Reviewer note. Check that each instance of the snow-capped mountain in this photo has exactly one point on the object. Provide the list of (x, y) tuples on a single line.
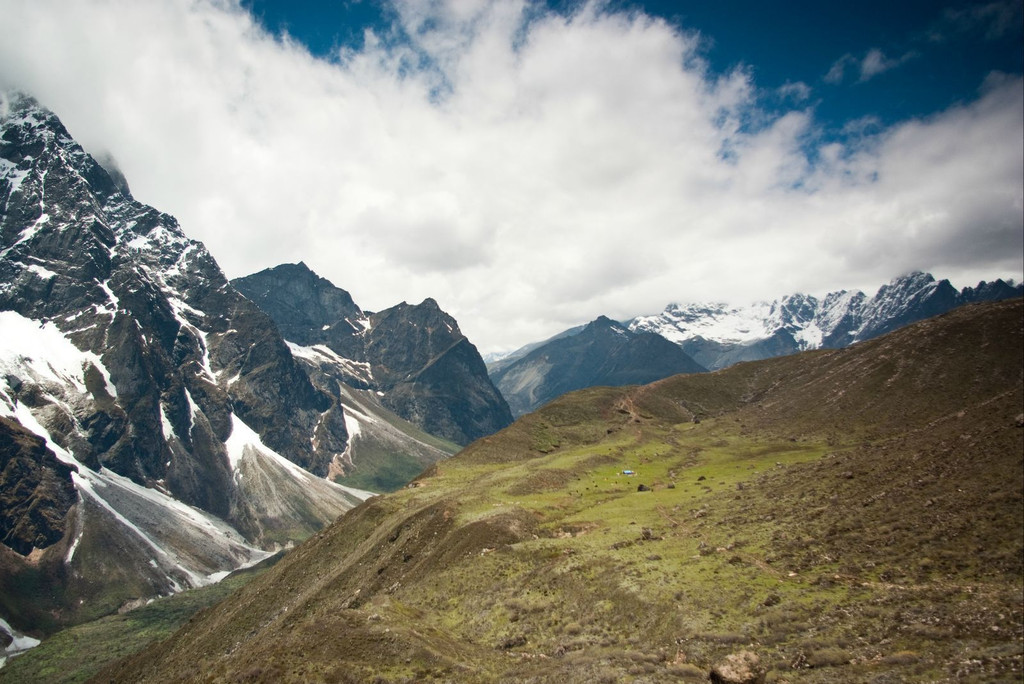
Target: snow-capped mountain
[(155, 429), (718, 335), (413, 358)]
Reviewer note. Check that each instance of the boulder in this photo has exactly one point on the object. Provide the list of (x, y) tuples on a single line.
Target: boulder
[(738, 668)]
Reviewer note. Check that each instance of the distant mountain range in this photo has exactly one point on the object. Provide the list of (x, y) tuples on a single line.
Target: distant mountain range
[(714, 336)]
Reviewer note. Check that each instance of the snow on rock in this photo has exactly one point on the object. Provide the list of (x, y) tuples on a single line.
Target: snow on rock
[(186, 542), (245, 445), (716, 321), (43, 354), (19, 642), (321, 353)]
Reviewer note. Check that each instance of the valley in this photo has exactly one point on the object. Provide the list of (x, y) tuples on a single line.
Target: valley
[(847, 515)]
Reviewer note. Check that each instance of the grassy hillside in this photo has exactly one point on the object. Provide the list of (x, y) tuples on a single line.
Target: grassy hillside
[(77, 653), (848, 516)]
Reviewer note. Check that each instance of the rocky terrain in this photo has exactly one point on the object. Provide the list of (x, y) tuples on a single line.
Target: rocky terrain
[(155, 429), (413, 358)]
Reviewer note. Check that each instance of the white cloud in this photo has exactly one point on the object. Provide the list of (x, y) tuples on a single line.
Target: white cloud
[(837, 72), (797, 91), (529, 171), (873, 63)]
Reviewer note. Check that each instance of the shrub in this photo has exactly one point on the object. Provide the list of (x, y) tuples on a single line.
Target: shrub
[(901, 658), (828, 657)]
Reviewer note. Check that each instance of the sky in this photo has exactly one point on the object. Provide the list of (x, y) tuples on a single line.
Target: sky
[(532, 165)]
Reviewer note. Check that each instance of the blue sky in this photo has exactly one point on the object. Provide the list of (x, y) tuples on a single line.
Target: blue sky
[(928, 54), (532, 166)]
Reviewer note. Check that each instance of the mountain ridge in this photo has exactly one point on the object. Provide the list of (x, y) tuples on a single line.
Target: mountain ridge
[(603, 352), (414, 357), (718, 335), (174, 420)]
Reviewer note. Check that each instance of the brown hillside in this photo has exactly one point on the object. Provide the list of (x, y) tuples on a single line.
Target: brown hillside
[(846, 516)]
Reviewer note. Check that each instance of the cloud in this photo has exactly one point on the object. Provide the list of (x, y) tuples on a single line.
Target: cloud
[(837, 72), (873, 63), (796, 91), (529, 170), (991, 20)]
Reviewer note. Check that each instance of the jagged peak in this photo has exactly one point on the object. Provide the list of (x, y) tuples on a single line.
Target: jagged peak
[(108, 163), (27, 123), (20, 109), (603, 321)]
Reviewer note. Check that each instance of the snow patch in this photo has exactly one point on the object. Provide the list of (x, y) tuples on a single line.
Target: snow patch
[(165, 423), (20, 643), (43, 354), (31, 230), (244, 440), (320, 353), (28, 421), (717, 322), (114, 302), (810, 337), (79, 533), (42, 272), (180, 308)]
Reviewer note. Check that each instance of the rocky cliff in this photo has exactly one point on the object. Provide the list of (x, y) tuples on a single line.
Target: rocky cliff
[(137, 389), (413, 357)]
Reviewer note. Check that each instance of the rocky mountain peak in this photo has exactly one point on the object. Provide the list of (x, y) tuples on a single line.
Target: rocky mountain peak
[(150, 382), (604, 352), (413, 355), (307, 308), (605, 322)]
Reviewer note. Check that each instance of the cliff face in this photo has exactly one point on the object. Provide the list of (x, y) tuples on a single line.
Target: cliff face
[(413, 357)]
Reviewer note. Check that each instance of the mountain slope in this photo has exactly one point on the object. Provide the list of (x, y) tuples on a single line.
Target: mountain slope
[(602, 353), (168, 401), (718, 336), (413, 356), (383, 451), (845, 516)]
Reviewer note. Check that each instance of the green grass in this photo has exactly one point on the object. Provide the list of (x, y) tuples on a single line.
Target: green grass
[(383, 474), (77, 653)]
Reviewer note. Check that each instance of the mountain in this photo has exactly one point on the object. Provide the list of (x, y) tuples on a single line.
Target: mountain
[(718, 336), (413, 358), (155, 429), (842, 515), (498, 361), (601, 353)]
